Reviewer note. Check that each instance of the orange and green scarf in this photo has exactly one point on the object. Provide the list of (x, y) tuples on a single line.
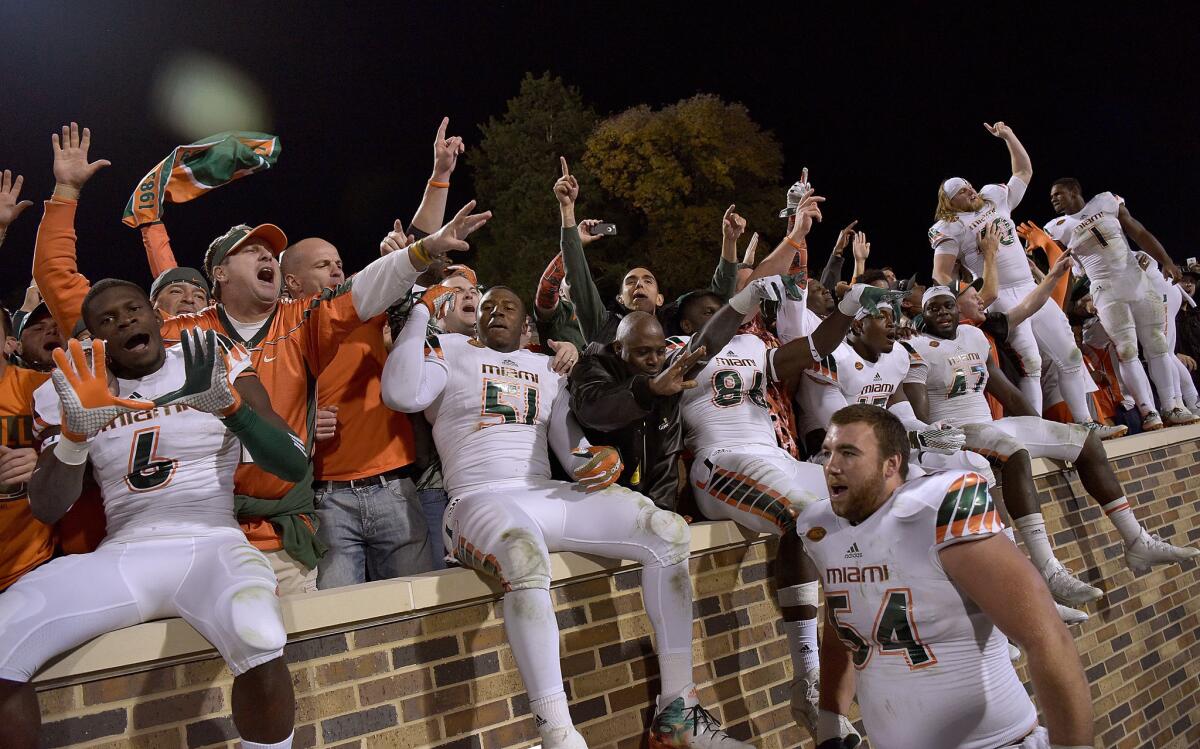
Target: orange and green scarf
[(194, 169)]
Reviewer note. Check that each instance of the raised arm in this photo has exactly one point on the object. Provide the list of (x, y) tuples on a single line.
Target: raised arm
[(989, 245), (998, 578), (779, 262), (10, 207), (412, 381), (943, 267), (1022, 167), (1037, 298), (446, 150), (1148, 242), (802, 353), (725, 278), (55, 269), (589, 306), (832, 273)]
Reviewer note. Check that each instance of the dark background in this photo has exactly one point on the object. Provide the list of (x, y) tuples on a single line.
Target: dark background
[(880, 105)]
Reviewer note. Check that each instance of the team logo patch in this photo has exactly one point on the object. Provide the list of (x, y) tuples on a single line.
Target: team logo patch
[(815, 534), (858, 365), (1056, 223), (933, 344), (476, 343)]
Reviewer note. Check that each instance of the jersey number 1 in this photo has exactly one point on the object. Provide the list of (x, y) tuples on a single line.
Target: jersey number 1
[(508, 403), (895, 629), (148, 471)]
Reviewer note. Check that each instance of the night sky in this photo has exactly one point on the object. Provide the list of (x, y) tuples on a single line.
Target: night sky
[(880, 107)]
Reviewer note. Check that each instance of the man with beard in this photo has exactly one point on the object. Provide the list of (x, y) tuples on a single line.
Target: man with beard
[(37, 336), (495, 410), (962, 214), (921, 589), (949, 385), (163, 448)]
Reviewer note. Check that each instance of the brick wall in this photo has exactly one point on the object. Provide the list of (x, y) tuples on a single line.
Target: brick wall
[(446, 679)]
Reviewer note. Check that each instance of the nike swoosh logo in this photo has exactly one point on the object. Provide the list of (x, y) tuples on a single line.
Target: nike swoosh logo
[(270, 358)]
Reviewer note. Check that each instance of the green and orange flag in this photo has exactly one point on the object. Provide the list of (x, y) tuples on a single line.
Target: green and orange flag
[(194, 169)]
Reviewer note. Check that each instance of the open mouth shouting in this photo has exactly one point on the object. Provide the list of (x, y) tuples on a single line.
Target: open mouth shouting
[(137, 343)]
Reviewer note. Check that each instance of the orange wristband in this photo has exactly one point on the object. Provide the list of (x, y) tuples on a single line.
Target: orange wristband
[(435, 183), (794, 243)]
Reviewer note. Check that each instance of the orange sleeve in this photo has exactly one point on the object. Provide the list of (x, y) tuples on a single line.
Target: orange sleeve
[(159, 254), (1060, 289), (55, 269)]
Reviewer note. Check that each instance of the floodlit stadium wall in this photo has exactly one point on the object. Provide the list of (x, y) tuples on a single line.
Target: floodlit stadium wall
[(422, 661)]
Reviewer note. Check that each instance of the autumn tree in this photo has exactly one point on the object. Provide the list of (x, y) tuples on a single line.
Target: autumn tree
[(678, 169), (515, 166)]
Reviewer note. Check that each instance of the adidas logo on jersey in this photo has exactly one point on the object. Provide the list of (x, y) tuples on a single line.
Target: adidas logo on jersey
[(853, 552)]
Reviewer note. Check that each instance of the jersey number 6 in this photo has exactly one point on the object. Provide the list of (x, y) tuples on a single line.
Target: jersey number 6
[(148, 471)]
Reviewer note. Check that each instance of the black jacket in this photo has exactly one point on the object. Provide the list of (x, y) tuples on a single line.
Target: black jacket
[(617, 409)]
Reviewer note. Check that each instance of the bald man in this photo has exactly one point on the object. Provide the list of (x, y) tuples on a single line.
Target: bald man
[(369, 515)]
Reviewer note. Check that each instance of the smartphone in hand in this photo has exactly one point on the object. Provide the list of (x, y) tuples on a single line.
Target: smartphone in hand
[(603, 230)]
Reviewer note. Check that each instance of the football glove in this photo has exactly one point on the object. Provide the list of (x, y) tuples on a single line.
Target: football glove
[(206, 376), (870, 298), (86, 404), (439, 300), (945, 440), (834, 731), (602, 468)]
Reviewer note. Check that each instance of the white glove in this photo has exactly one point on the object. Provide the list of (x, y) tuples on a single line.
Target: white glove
[(870, 298), (837, 730), (946, 440), (769, 288)]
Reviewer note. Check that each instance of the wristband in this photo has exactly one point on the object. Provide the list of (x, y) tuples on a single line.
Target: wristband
[(70, 452), (418, 253), (65, 192), (794, 243), (435, 183)]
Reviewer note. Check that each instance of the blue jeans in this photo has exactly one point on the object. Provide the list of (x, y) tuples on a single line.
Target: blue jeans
[(373, 533), (433, 503)]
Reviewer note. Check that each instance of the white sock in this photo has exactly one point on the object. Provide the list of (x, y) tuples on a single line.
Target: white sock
[(1134, 381), (1168, 387), (802, 641), (1073, 387), (1031, 388), (533, 635), (285, 744), (675, 672), (1033, 533), (551, 711), (1121, 515)]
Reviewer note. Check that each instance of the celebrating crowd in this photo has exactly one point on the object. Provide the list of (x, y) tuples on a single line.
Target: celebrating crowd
[(267, 423)]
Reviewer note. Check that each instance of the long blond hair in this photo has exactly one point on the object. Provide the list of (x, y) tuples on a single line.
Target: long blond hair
[(944, 211)]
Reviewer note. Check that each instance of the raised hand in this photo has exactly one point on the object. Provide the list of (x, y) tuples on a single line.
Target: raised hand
[(1061, 265), (585, 231), (396, 239), (844, 237), (749, 258), (603, 467), (671, 380), (439, 300), (205, 376), (732, 225), (86, 403), (989, 240), (860, 248), (565, 356), (10, 207), (1035, 236), (871, 298), (71, 166), (808, 211), (452, 237), (1000, 130), (446, 152), (566, 189)]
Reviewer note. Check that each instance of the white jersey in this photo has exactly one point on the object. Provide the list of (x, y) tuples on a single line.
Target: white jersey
[(1096, 239), (954, 373), (166, 471), (960, 237), (491, 421), (933, 670), (862, 381), (728, 406)]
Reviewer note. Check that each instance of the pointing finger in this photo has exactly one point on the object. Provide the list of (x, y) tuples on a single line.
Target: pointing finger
[(562, 161), (441, 131)]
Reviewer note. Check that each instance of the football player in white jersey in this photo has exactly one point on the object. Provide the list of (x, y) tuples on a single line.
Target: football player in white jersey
[(1183, 390), (962, 214), (1127, 303), (949, 385), (162, 431), (740, 472), (495, 409), (921, 588)]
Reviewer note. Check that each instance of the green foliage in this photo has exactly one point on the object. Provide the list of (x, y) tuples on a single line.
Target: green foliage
[(515, 166), (678, 169)]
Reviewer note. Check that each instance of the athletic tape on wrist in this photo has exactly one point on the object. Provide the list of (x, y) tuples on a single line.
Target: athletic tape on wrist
[(804, 594), (70, 452)]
